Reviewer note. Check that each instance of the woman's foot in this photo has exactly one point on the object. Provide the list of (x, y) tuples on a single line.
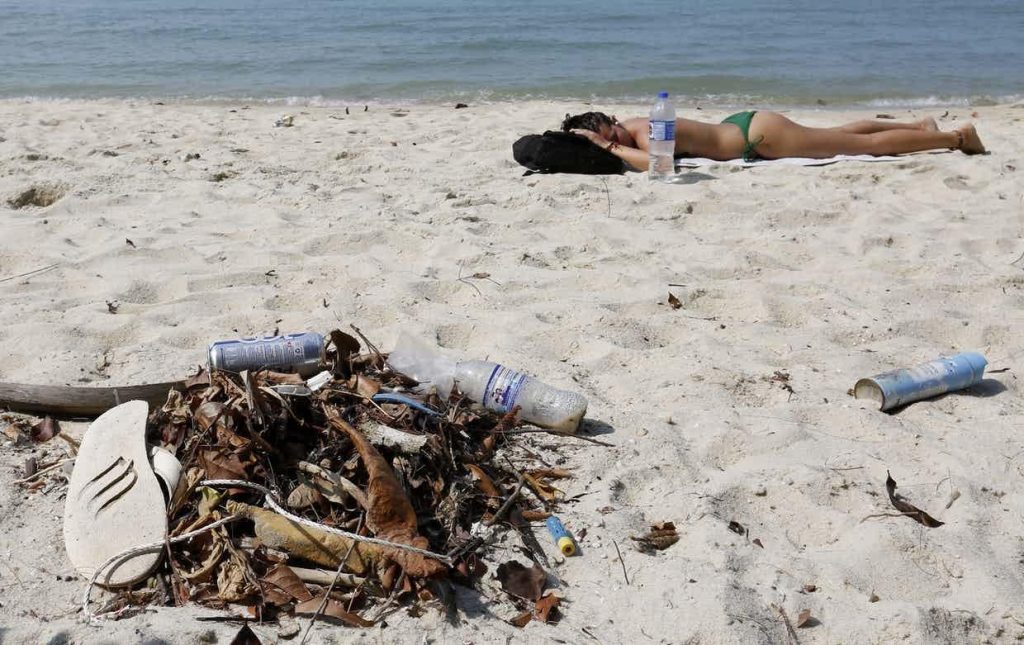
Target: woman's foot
[(970, 143), (927, 124)]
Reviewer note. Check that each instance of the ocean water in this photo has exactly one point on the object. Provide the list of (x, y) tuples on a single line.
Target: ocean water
[(757, 52)]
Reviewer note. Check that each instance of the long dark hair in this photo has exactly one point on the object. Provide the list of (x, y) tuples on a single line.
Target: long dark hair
[(587, 121)]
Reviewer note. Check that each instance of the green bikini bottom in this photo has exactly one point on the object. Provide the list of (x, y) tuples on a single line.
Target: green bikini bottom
[(743, 119)]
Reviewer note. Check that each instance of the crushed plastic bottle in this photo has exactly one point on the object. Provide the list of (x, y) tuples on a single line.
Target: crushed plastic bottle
[(497, 387)]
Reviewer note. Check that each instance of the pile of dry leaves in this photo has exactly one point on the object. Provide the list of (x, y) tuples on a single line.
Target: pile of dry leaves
[(416, 475)]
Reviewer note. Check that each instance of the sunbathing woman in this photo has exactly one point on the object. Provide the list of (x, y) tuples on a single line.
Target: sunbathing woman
[(768, 135)]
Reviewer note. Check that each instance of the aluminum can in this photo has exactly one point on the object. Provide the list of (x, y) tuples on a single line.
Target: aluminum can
[(906, 385), (302, 353)]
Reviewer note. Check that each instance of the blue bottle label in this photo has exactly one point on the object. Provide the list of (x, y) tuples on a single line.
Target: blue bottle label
[(503, 389), (662, 130)]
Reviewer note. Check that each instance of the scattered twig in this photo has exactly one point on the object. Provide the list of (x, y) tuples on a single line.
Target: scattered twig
[(1019, 258), (40, 473), (30, 273), (876, 515), (557, 434), (373, 348), (621, 561), (327, 595), (368, 400), (72, 443), (391, 598), (520, 480), (955, 495), (790, 631), (478, 540), (479, 275)]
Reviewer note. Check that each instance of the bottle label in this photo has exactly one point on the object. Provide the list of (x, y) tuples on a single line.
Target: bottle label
[(662, 130), (503, 389)]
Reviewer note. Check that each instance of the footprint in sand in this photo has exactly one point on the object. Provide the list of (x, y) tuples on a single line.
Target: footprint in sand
[(40, 195), (959, 182)]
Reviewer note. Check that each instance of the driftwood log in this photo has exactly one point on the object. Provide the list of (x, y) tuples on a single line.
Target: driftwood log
[(70, 401)]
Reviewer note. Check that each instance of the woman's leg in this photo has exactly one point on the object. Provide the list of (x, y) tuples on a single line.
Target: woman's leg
[(871, 127), (783, 138)]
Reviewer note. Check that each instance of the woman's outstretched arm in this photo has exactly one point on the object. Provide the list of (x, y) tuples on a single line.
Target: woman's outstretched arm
[(636, 159)]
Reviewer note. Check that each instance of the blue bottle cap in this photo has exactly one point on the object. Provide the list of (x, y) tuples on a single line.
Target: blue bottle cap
[(662, 95)]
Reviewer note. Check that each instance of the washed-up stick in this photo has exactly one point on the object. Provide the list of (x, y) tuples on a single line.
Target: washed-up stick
[(325, 577), (40, 473), (30, 273), (66, 400)]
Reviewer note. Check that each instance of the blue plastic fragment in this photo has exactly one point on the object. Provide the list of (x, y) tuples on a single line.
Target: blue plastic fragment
[(394, 397)]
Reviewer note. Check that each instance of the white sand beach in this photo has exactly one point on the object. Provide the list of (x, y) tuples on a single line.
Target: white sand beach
[(174, 225)]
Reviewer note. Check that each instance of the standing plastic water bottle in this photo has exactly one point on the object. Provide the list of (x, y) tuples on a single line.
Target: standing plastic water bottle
[(497, 387), (662, 140)]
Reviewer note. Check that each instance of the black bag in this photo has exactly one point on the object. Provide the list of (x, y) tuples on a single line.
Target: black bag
[(564, 152)]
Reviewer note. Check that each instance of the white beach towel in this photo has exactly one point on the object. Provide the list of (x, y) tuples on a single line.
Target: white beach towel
[(696, 162)]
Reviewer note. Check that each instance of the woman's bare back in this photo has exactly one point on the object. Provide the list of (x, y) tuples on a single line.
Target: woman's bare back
[(694, 139)]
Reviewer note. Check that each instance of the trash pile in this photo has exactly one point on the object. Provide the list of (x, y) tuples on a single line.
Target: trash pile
[(353, 485), (342, 496)]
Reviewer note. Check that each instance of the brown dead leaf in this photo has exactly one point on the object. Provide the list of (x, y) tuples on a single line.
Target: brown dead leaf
[(519, 581), (210, 413), (673, 301), (220, 464), (389, 515), (45, 430), (281, 378), (522, 620), (757, 541), (804, 619), (545, 606), (737, 528), (332, 486), (483, 481), (235, 581), (906, 507), (201, 379), (11, 432), (284, 579), (304, 496), (660, 537), (535, 516), (366, 387), (333, 609), (211, 550), (542, 489), (345, 344)]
